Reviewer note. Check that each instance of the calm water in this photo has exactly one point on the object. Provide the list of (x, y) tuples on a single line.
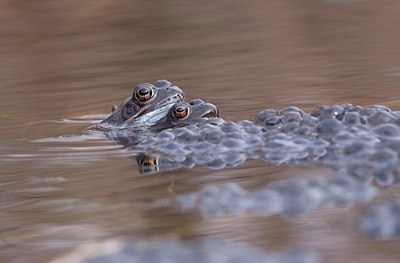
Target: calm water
[(63, 59)]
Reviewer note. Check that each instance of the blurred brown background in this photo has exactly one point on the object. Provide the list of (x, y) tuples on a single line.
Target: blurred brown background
[(76, 57)]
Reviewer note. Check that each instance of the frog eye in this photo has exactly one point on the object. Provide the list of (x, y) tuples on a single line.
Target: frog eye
[(143, 92), (180, 111)]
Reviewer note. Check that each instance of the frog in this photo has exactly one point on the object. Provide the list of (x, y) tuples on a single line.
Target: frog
[(148, 104), (197, 112)]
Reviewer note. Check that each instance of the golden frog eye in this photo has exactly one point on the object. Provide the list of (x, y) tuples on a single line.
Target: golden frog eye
[(143, 92), (180, 111)]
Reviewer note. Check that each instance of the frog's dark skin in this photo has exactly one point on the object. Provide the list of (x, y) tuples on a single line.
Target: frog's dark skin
[(147, 102)]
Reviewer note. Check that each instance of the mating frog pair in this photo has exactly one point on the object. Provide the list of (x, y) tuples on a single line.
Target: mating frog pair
[(158, 107)]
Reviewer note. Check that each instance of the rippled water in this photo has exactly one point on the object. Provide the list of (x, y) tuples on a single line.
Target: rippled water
[(64, 60)]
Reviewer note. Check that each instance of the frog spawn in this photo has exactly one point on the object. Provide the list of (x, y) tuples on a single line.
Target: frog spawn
[(217, 146), (179, 251), (289, 199), (382, 221), (361, 142), (356, 141)]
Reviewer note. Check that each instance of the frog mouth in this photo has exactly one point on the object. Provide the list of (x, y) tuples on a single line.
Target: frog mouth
[(210, 112), (211, 116)]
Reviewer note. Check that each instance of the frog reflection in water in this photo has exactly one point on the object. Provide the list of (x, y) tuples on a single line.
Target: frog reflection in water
[(147, 105)]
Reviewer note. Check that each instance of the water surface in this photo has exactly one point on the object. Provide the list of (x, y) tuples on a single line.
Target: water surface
[(61, 60)]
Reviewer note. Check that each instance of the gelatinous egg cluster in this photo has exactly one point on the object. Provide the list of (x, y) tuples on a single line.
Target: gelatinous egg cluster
[(361, 142), (382, 221), (217, 146), (286, 198), (207, 250)]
